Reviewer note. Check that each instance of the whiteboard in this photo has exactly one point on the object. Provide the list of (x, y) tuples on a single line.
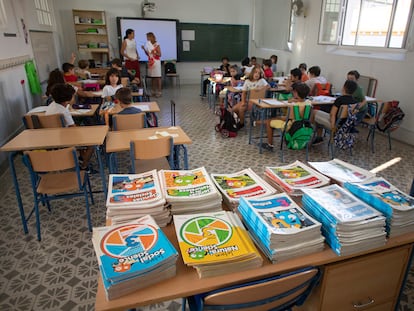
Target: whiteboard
[(165, 30), (44, 53)]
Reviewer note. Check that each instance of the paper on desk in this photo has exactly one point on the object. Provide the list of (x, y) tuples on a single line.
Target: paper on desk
[(274, 102), (165, 134), (372, 99), (153, 137), (80, 111), (143, 107), (323, 99)]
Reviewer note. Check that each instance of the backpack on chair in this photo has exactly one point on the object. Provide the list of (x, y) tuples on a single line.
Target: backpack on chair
[(301, 130), (345, 136), (391, 119)]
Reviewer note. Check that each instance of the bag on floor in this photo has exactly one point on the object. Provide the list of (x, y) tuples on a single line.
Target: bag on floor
[(228, 123), (345, 135), (301, 130), (392, 119)]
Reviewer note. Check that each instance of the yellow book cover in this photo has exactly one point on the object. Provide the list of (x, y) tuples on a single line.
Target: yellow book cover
[(210, 238)]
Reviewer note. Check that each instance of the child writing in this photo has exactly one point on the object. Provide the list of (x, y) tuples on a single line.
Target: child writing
[(255, 81), (124, 96), (112, 84), (300, 92)]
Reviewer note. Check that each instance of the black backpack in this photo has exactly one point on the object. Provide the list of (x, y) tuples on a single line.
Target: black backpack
[(228, 124), (301, 130), (170, 68), (391, 120)]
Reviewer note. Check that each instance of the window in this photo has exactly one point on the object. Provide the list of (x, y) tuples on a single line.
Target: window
[(43, 12), (368, 23)]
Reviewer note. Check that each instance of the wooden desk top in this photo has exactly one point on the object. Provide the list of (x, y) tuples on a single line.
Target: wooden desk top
[(152, 107), (119, 140), (75, 112), (187, 283), (57, 138)]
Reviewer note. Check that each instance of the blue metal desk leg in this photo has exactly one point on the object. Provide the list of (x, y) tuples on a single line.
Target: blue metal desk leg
[(101, 170), (262, 123), (17, 190)]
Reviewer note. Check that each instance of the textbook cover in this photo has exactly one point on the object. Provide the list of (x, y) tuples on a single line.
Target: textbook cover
[(132, 249), (211, 238), (342, 171), (245, 183), (134, 189), (295, 176)]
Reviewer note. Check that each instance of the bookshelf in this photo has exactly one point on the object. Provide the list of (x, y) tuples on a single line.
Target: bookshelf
[(91, 34)]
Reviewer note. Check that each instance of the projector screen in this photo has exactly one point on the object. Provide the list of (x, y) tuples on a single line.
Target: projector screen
[(165, 30)]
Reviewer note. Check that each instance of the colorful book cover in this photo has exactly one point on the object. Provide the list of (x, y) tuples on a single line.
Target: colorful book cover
[(187, 184), (296, 175), (131, 249), (342, 171), (244, 183), (210, 238), (134, 189)]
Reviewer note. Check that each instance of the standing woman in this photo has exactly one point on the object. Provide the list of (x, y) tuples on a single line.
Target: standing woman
[(129, 52), (153, 51)]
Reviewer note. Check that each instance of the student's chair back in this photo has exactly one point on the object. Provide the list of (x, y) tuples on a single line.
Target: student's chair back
[(128, 121), (37, 121), (56, 174), (321, 89), (149, 154), (275, 293)]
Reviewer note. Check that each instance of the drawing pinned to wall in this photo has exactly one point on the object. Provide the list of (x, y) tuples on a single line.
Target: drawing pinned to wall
[(188, 35), (186, 46)]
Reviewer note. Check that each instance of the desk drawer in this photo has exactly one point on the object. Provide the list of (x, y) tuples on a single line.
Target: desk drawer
[(375, 277)]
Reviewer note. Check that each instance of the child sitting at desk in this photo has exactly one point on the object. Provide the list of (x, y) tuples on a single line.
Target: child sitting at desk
[(63, 96), (124, 96), (267, 70), (233, 95), (112, 84), (300, 92), (254, 82), (125, 73), (82, 72)]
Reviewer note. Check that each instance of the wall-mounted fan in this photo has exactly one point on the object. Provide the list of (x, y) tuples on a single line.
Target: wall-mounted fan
[(297, 7)]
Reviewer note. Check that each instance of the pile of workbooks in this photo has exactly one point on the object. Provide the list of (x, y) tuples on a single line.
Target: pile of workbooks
[(133, 255), (348, 224), (341, 171), (292, 178), (245, 183), (189, 191), (215, 243), (280, 227), (131, 196), (398, 207)]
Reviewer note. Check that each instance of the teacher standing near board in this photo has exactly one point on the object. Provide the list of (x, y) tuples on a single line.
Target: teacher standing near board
[(130, 53), (153, 51)]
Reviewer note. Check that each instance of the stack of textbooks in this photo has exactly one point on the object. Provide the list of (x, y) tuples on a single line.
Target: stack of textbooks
[(215, 243), (342, 171), (245, 183), (133, 255), (190, 191), (280, 227), (348, 224), (292, 178), (132, 196), (398, 207)]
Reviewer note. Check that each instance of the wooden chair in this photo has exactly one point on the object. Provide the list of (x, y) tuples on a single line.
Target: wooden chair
[(149, 154), (321, 89), (56, 174), (275, 293), (37, 121), (128, 121), (253, 94)]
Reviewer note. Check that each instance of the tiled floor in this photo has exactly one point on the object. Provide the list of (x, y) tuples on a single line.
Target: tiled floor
[(60, 272)]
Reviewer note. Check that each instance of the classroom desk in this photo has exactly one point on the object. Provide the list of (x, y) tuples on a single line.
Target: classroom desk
[(48, 138), (117, 141), (187, 283), (212, 89), (144, 106), (202, 75)]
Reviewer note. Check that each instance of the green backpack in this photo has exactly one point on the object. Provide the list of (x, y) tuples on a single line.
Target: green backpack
[(301, 131)]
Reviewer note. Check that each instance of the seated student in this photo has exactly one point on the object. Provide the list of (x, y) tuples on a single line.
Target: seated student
[(82, 72), (315, 77), (112, 84), (254, 82), (267, 70), (359, 95), (300, 92), (63, 96), (303, 67), (253, 61), (330, 117), (295, 77), (246, 67), (69, 73), (224, 69), (233, 95), (225, 66), (273, 59), (125, 73), (124, 96)]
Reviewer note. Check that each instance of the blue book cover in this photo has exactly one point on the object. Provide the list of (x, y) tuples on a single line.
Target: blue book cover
[(132, 249)]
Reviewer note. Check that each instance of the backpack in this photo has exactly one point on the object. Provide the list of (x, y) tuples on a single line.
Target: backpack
[(345, 136), (228, 124), (301, 130), (391, 119), (170, 68)]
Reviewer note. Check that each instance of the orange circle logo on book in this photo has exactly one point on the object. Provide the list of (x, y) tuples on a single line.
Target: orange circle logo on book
[(206, 230)]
